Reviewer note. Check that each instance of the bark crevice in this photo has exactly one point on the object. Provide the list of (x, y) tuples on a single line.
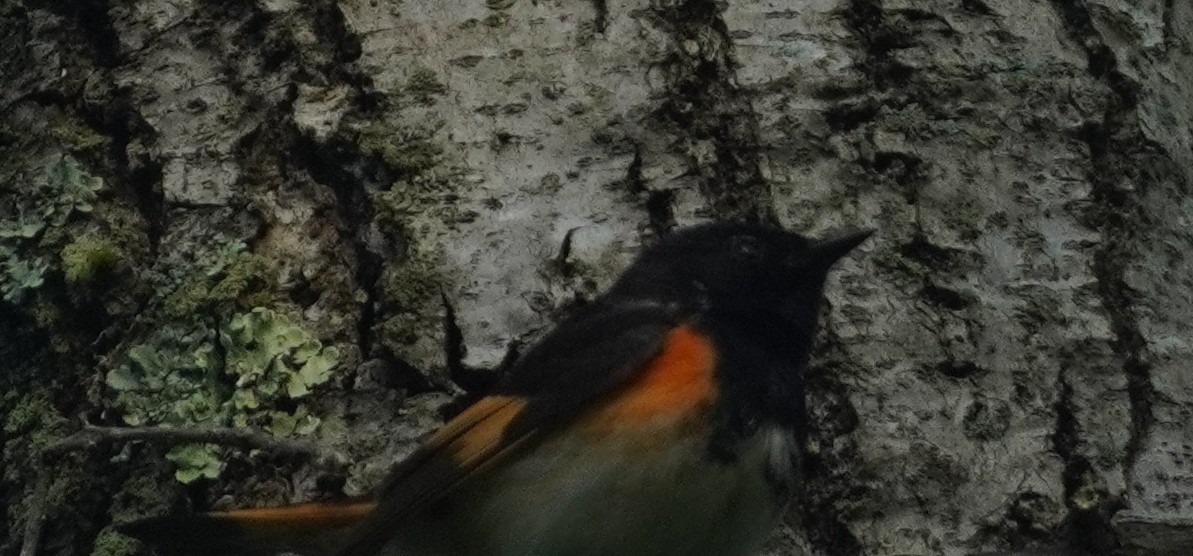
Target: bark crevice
[(601, 21), (714, 115), (1167, 18), (327, 166), (1115, 145), (91, 18), (330, 163)]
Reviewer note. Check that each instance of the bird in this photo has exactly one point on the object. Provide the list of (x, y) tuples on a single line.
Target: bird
[(666, 417)]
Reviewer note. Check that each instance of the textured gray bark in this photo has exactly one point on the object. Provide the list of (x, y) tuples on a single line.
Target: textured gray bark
[(422, 186)]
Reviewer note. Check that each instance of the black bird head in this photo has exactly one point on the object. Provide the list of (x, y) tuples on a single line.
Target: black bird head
[(742, 272), (758, 290)]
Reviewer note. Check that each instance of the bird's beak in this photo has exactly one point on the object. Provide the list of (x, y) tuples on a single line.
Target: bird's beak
[(829, 251)]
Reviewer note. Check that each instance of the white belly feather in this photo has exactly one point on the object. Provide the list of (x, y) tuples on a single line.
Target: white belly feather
[(622, 496)]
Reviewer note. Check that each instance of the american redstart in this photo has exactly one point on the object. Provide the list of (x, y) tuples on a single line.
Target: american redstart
[(664, 418)]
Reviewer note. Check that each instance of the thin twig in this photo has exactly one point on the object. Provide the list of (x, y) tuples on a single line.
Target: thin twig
[(91, 436), (36, 516)]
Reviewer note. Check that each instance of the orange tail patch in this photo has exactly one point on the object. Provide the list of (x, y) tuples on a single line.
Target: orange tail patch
[(314, 529)]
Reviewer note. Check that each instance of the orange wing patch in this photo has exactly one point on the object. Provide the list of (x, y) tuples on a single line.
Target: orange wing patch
[(477, 434), (473, 416), (466, 445), (299, 518), (677, 383)]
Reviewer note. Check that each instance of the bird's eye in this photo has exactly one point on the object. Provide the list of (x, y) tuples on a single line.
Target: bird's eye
[(747, 248)]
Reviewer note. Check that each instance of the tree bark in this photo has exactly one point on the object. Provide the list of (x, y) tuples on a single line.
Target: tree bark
[(328, 219)]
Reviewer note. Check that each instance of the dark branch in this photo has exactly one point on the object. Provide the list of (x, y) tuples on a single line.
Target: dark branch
[(91, 436)]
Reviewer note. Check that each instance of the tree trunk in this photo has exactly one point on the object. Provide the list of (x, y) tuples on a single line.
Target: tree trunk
[(329, 218)]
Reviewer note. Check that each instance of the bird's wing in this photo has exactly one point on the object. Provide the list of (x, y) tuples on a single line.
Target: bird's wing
[(606, 364)]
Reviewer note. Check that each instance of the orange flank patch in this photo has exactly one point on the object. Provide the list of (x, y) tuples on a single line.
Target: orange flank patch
[(299, 518), (676, 384), (476, 434), (500, 408)]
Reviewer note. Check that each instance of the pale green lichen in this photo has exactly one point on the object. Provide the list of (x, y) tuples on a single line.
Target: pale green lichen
[(71, 187), (178, 365), (269, 356), (24, 226), (1090, 493), (301, 422), (39, 218), (233, 375), (18, 276), (195, 461)]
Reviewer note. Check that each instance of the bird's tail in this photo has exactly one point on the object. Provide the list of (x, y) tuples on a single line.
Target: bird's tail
[(311, 529)]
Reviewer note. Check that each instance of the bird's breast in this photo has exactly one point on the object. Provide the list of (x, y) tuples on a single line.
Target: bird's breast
[(652, 491)]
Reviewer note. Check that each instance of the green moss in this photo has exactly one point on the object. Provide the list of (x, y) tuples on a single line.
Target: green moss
[(30, 423), (423, 86), (409, 153), (1090, 493), (426, 181), (87, 257), (125, 228), (27, 413), (187, 299), (247, 274), (242, 373), (963, 213), (411, 290), (66, 487), (236, 279), (142, 494), (46, 314), (111, 543), (76, 135), (414, 282)]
